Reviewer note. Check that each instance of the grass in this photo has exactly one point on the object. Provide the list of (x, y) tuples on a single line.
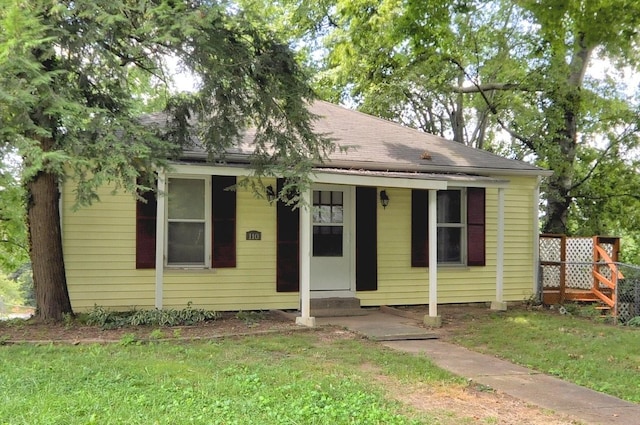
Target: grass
[(271, 379), (585, 351)]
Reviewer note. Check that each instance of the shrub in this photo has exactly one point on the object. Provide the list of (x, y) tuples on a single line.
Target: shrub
[(107, 319)]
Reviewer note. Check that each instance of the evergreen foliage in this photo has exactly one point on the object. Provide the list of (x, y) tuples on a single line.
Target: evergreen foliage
[(75, 75)]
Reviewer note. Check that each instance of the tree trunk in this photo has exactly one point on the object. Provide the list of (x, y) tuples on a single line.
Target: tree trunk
[(558, 203), (45, 241), (559, 197)]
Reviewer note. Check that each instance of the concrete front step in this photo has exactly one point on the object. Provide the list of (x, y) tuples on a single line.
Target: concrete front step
[(336, 307)]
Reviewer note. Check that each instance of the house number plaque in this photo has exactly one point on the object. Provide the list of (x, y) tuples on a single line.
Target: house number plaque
[(254, 235)]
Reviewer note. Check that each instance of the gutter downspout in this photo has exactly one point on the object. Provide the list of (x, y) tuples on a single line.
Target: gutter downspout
[(499, 303), (537, 286)]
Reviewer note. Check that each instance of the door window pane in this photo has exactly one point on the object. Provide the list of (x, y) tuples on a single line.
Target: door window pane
[(327, 206), (336, 214), (327, 241)]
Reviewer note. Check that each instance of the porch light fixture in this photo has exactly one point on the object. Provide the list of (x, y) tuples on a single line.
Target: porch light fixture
[(271, 195), (384, 199)]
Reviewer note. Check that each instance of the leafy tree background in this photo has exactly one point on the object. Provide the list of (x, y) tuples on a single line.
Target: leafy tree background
[(517, 78)]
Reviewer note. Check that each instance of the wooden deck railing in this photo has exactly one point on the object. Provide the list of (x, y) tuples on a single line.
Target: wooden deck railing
[(603, 287), (602, 259)]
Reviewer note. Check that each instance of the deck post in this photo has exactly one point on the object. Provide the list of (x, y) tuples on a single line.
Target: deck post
[(305, 318), (563, 269)]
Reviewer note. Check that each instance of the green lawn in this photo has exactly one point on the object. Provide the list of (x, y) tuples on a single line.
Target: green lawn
[(585, 351), (278, 379)]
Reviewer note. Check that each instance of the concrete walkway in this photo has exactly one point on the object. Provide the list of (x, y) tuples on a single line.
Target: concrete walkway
[(525, 384)]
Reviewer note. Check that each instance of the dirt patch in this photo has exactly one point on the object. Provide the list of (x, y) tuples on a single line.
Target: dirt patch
[(473, 403), (226, 324)]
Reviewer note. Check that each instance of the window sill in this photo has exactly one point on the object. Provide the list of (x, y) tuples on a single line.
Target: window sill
[(181, 270)]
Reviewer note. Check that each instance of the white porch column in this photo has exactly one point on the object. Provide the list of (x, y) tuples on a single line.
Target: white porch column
[(433, 319), (499, 303), (305, 262), (162, 178)]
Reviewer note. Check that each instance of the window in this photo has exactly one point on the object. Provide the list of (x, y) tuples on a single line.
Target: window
[(451, 227), (327, 223), (200, 226), (460, 227), (188, 225)]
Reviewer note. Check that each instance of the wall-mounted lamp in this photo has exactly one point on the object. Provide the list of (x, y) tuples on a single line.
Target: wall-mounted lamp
[(271, 195), (384, 199)]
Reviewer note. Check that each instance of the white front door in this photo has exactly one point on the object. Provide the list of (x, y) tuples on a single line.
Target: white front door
[(331, 240)]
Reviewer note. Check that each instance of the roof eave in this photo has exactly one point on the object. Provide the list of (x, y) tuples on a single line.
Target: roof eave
[(381, 166)]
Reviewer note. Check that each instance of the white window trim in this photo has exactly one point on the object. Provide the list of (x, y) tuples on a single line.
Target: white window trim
[(462, 225), (207, 223)]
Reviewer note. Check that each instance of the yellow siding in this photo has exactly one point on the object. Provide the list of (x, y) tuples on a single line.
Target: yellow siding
[(99, 251), (99, 248), (252, 283), (399, 283)]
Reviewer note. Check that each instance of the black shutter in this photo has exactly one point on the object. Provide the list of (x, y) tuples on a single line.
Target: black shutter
[(419, 228), (287, 246), (146, 231), (223, 222), (476, 226), (366, 239)]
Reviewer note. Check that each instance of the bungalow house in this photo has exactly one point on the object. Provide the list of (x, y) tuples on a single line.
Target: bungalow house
[(400, 218)]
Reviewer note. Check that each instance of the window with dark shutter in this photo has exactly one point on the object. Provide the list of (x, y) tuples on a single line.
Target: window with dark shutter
[(448, 231), (223, 218), (366, 239), (288, 246)]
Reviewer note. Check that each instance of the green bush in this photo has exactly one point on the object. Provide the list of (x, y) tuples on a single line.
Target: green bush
[(634, 322), (108, 319)]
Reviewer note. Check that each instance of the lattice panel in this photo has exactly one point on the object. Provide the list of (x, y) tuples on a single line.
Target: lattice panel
[(579, 260), (550, 249), (550, 276)]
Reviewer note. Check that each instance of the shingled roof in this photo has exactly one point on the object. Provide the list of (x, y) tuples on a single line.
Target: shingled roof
[(376, 144)]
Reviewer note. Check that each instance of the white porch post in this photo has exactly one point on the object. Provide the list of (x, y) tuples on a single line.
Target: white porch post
[(499, 303), (305, 262), (433, 319), (162, 177)]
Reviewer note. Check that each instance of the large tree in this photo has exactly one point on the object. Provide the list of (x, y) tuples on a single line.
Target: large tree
[(515, 77), (75, 74)]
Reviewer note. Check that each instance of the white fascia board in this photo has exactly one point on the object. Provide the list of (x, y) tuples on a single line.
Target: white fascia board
[(377, 181), (437, 168), (209, 170), (318, 176)]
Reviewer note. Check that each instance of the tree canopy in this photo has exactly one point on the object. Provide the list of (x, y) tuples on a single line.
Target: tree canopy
[(544, 81), (75, 75)]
